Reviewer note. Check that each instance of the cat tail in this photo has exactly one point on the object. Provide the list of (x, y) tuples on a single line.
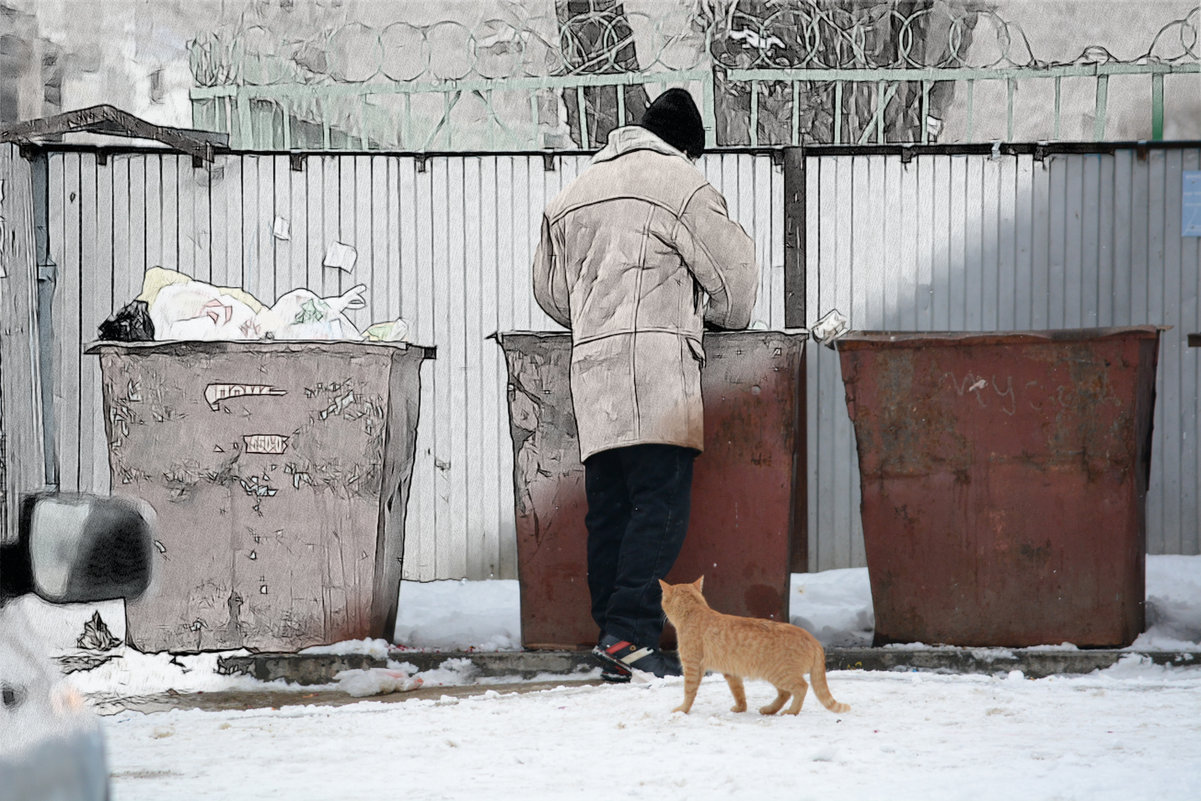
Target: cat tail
[(817, 678)]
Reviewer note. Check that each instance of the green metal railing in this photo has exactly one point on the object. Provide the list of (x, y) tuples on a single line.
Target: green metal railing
[(886, 82)]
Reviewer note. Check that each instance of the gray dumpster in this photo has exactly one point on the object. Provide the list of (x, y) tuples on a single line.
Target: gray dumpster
[(279, 472)]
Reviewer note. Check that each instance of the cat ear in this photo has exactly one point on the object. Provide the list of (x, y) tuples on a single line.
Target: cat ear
[(699, 583), (664, 585)]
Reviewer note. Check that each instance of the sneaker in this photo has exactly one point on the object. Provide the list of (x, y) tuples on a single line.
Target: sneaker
[(614, 674), (624, 655)]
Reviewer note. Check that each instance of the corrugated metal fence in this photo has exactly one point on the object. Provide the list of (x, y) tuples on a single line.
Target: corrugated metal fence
[(964, 242), (445, 242), (21, 447), (1011, 242)]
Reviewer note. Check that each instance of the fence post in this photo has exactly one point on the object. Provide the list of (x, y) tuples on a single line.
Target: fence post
[(1157, 106), (794, 317), (794, 237), (47, 281), (1102, 102), (708, 111), (245, 130)]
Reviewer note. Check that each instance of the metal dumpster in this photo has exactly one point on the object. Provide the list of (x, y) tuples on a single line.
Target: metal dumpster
[(279, 472), (1004, 479), (748, 486)]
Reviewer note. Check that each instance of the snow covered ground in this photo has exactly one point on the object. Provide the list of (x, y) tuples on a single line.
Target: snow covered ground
[(1129, 732)]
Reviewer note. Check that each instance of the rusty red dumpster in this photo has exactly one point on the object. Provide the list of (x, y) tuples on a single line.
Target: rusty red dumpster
[(1004, 479), (279, 472), (748, 486)]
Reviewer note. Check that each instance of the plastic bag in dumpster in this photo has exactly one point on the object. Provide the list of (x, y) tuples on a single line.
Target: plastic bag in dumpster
[(301, 314), (181, 308), (392, 331), (198, 311), (157, 278), (131, 323)]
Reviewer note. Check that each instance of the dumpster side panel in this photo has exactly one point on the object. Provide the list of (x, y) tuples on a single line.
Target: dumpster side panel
[(744, 488), (747, 483), (1003, 485), (265, 466), (400, 451), (549, 501)]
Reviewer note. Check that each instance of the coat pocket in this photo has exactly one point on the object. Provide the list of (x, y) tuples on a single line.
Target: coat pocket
[(697, 350)]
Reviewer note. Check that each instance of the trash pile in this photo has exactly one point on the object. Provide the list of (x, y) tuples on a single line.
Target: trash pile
[(174, 306)]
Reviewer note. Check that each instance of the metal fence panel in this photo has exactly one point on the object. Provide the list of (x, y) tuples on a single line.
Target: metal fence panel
[(1009, 242), (22, 467), (445, 242), (939, 243)]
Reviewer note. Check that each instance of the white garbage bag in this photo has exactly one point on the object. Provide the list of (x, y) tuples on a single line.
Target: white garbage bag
[(391, 331), (302, 314), (196, 310), (830, 328)]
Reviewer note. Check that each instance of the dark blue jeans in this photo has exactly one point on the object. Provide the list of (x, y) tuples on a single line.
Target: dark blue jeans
[(638, 504)]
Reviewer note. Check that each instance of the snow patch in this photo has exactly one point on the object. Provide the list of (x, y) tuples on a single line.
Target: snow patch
[(1141, 668), (377, 648), (451, 673), (131, 672), (835, 606), (459, 615), (376, 681)]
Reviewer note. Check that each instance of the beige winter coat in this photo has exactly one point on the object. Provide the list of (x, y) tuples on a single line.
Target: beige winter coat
[(628, 253)]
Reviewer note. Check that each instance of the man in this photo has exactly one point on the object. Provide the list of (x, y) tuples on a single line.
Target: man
[(628, 254)]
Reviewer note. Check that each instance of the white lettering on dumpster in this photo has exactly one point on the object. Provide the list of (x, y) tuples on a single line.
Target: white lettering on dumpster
[(972, 383), (265, 443), (215, 393)]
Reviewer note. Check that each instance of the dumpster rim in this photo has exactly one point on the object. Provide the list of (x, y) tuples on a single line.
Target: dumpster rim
[(792, 333), (243, 345), (859, 340)]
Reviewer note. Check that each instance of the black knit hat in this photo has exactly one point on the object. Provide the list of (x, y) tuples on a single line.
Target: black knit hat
[(674, 118)]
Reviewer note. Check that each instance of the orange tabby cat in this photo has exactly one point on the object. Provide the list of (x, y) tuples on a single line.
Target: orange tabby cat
[(747, 647)]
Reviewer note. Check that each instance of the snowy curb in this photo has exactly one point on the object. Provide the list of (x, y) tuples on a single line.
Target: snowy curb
[(1034, 663), (297, 668), (321, 668)]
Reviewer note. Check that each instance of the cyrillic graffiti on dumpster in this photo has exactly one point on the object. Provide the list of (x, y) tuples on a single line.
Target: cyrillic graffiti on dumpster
[(265, 443), (215, 393)]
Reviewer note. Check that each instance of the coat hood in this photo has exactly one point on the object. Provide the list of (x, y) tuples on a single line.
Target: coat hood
[(631, 138)]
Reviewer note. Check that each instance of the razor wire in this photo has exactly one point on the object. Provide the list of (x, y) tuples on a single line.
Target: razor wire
[(755, 35)]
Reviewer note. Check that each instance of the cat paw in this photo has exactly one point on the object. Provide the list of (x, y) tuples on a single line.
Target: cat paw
[(768, 710), (738, 708), (680, 708)]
